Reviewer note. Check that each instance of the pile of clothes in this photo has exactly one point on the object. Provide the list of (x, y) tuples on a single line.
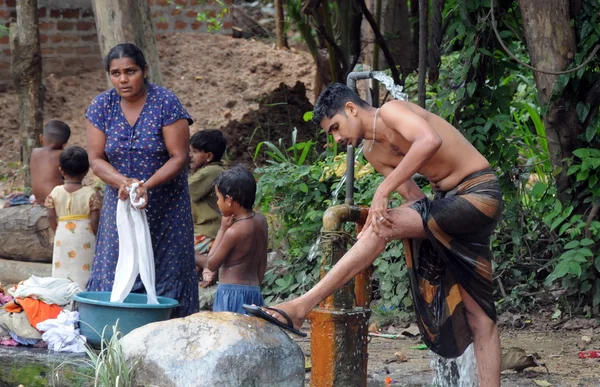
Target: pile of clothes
[(36, 313)]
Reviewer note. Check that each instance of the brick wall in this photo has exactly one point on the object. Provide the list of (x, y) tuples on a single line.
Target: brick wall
[(68, 32)]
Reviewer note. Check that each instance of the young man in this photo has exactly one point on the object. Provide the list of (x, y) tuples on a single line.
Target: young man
[(449, 259)]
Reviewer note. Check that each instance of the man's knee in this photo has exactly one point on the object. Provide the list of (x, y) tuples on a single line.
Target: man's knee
[(480, 323)]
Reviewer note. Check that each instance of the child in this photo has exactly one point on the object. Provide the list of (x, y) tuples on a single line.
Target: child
[(78, 211), (206, 149), (44, 161), (240, 249)]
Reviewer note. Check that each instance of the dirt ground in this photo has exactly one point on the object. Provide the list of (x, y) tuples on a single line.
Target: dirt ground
[(557, 349), (218, 79)]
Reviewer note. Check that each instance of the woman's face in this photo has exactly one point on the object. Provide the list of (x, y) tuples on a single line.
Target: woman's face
[(127, 77)]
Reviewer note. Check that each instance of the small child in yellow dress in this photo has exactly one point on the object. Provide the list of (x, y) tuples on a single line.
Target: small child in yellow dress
[(74, 213)]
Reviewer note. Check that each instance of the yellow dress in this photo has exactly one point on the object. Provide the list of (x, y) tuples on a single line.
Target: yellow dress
[(74, 241)]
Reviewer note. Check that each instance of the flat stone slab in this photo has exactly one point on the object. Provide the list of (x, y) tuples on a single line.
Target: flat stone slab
[(39, 367)]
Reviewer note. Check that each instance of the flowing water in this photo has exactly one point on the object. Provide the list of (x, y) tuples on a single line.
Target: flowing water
[(396, 91), (459, 372)]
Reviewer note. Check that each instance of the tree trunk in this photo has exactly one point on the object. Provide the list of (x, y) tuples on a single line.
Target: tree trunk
[(551, 44), (280, 25), (423, 12), (27, 76), (130, 21), (396, 27), (26, 234)]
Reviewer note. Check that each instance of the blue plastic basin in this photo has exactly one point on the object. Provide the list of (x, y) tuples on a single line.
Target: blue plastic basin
[(96, 312)]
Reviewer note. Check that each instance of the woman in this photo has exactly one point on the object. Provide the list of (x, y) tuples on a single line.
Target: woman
[(139, 132)]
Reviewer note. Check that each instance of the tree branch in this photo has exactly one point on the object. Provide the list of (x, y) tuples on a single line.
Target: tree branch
[(381, 42), (423, 8)]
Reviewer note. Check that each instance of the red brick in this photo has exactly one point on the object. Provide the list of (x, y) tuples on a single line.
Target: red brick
[(1, 2), (4, 65), (64, 50), (43, 39), (192, 14), (64, 26), (181, 2), (4, 39), (70, 38), (151, 2), (180, 25), (11, 3), (55, 38), (73, 62), (89, 38), (227, 25), (162, 26), (164, 3), (158, 13), (47, 26), (71, 13), (41, 11), (6, 52), (3, 14), (85, 26), (196, 25), (92, 63), (47, 51), (52, 64), (176, 12), (83, 50), (212, 13)]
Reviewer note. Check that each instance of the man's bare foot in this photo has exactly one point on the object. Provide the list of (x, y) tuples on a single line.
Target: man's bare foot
[(292, 309)]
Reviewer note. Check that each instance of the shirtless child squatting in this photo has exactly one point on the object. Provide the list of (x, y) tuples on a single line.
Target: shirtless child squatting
[(240, 248), (448, 255)]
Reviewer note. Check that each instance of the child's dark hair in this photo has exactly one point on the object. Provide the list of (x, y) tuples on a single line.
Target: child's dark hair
[(210, 140), (74, 161), (238, 183), (56, 133), (126, 50), (333, 100)]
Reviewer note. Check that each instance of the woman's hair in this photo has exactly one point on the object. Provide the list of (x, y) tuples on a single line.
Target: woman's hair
[(126, 50), (74, 161), (238, 183)]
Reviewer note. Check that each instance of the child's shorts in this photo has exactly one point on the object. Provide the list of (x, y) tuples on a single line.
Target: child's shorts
[(231, 297)]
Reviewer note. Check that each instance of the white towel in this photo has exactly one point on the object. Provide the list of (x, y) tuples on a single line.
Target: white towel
[(135, 249), (50, 290), (60, 333)]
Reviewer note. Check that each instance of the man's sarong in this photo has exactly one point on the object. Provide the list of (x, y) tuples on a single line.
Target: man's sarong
[(458, 224)]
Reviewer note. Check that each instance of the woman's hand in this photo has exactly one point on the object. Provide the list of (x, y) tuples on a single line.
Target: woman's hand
[(140, 191), (123, 192)]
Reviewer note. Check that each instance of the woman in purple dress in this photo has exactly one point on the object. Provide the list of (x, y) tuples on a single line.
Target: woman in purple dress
[(139, 132)]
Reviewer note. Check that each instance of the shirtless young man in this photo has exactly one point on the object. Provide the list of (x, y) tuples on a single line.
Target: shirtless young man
[(240, 248), (44, 161), (402, 139)]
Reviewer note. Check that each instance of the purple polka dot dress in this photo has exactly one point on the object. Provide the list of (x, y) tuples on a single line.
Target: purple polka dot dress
[(138, 152)]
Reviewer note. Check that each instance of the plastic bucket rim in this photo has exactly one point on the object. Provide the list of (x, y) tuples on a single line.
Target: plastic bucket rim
[(170, 303)]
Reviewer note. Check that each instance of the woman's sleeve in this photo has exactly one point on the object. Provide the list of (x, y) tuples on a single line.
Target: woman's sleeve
[(174, 111), (97, 111)]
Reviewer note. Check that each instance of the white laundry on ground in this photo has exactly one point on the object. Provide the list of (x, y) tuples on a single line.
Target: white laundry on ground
[(60, 333), (50, 290)]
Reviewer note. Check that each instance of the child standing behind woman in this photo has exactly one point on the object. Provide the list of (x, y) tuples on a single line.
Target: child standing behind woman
[(206, 149), (74, 213)]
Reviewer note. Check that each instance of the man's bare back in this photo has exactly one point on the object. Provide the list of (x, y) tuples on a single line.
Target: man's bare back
[(44, 172), (454, 160), (247, 262)]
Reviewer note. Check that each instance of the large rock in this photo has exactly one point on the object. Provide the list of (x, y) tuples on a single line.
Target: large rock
[(214, 349), (13, 272), (26, 234)]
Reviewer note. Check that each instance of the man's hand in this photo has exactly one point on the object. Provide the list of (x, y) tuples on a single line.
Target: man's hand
[(378, 214)]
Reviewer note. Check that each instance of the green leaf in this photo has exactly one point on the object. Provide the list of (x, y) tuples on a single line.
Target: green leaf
[(592, 181), (597, 263), (590, 132), (582, 152), (308, 116), (586, 242), (586, 252), (571, 245), (303, 187), (471, 88), (557, 313), (539, 188), (583, 109), (575, 268)]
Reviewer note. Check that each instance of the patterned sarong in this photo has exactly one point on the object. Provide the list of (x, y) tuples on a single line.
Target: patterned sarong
[(458, 224)]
